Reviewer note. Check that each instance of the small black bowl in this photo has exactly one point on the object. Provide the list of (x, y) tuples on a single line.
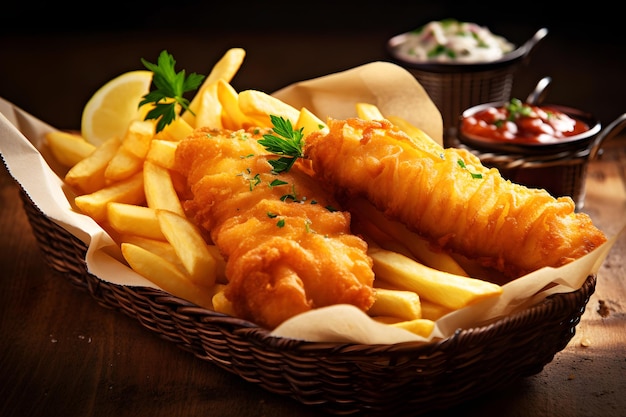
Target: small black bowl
[(576, 143), (560, 167), (454, 87)]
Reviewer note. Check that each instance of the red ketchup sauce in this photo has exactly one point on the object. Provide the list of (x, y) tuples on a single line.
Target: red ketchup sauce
[(522, 123)]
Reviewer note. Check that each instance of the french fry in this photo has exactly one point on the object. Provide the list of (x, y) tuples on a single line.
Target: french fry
[(375, 237), (309, 122), (221, 304), (402, 304), (258, 106), (166, 275), (130, 190), (449, 290), (227, 66), (190, 247), (87, 175), (418, 246), (421, 327), (123, 164), (68, 148), (232, 116), (138, 137), (133, 219), (209, 111), (413, 132), (159, 188), (225, 69), (432, 311), (176, 131), (368, 111), (162, 248), (162, 153)]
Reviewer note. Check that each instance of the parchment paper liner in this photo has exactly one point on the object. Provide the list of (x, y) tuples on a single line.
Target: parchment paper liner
[(395, 92)]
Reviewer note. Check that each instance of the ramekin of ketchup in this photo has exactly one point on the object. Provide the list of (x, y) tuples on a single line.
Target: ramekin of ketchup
[(519, 122), (537, 145)]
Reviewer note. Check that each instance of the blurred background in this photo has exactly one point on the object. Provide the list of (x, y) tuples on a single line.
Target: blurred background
[(53, 57)]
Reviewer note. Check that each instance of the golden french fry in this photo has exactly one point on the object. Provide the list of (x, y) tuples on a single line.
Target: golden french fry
[(209, 109), (412, 131), (368, 111), (221, 304), (138, 137), (375, 237), (176, 131), (133, 219), (162, 153), (165, 275), (258, 106), (421, 327), (87, 175), (418, 246), (162, 248), (402, 304), (159, 188), (432, 311), (225, 69), (232, 116), (449, 290), (68, 148), (309, 122), (123, 164), (128, 191), (190, 247)]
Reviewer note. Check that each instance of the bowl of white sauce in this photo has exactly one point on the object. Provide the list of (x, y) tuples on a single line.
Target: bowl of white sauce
[(460, 64)]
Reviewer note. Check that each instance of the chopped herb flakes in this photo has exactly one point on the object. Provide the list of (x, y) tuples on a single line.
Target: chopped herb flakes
[(462, 165)]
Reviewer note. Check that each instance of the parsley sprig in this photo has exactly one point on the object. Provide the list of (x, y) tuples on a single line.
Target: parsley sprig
[(170, 88), (286, 141)]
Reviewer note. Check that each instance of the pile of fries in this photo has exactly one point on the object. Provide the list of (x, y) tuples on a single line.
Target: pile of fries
[(129, 187)]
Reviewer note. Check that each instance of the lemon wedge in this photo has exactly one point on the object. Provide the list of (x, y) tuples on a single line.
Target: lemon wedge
[(113, 106)]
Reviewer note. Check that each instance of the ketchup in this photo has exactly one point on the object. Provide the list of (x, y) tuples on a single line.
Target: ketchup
[(522, 123)]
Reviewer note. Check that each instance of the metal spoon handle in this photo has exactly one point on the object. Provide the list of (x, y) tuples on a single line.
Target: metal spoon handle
[(538, 94), (530, 43)]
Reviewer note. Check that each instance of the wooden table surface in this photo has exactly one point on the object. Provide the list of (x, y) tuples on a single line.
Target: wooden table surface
[(62, 354)]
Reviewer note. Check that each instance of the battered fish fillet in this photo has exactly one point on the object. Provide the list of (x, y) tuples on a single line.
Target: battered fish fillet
[(448, 196), (287, 249)]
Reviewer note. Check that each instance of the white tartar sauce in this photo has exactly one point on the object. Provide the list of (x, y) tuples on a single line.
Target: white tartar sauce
[(451, 41)]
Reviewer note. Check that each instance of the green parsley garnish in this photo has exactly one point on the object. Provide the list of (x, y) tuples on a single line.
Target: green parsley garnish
[(441, 50), (170, 88), (286, 141), (276, 183), (462, 165), (517, 108)]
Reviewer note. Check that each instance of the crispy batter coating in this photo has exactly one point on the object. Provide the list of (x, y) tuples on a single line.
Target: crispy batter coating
[(500, 224), (287, 250)]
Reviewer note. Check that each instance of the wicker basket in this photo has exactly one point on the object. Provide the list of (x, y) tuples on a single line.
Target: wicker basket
[(341, 378)]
